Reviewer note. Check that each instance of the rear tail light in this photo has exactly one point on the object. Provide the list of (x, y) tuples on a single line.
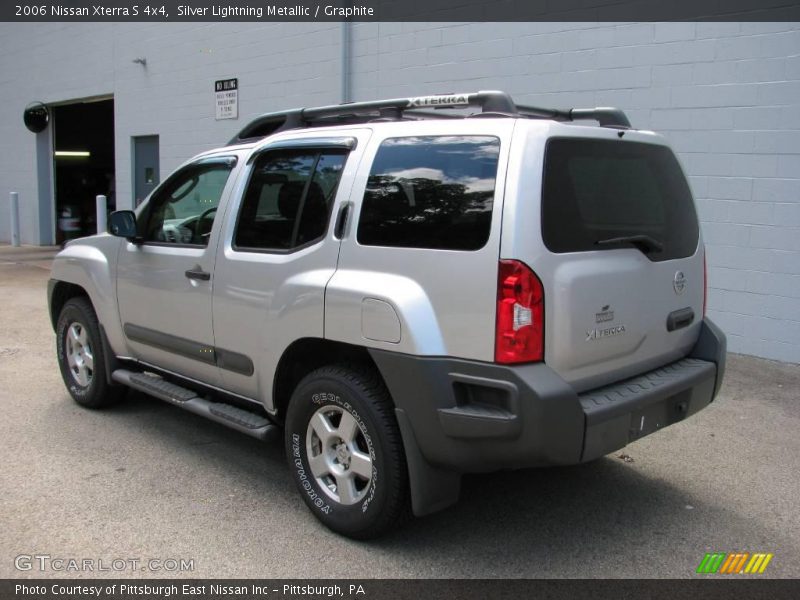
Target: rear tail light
[(519, 334), (705, 282)]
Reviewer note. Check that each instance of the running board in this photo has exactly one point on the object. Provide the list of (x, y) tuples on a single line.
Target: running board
[(244, 421)]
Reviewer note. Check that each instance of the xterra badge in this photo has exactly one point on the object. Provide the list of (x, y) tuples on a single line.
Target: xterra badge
[(596, 334), (449, 100)]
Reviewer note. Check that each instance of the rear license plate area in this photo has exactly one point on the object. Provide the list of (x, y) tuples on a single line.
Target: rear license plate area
[(658, 415)]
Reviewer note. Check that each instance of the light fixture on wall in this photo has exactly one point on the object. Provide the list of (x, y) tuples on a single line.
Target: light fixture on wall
[(141, 60), (36, 117), (72, 154)]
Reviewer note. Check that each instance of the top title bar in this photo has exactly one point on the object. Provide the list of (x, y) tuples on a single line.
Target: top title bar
[(393, 10)]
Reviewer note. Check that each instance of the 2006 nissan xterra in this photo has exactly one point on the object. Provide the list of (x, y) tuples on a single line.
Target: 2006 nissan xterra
[(412, 289)]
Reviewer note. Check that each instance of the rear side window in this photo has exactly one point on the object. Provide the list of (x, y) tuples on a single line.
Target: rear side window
[(430, 192), (288, 199), (596, 191)]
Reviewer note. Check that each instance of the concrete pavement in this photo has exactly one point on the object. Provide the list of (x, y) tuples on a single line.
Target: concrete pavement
[(35, 256)]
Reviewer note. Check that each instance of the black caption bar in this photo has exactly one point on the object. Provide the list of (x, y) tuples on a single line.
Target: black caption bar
[(395, 10), (398, 589)]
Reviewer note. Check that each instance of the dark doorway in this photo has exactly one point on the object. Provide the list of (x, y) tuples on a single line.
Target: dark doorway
[(84, 165)]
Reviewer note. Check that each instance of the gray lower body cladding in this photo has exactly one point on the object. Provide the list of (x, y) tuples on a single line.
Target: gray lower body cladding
[(467, 417)]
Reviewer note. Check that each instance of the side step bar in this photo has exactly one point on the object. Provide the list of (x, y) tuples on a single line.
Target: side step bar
[(244, 421)]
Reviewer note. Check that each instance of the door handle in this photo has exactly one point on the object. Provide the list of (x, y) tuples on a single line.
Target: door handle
[(198, 274), (678, 319), (340, 228)]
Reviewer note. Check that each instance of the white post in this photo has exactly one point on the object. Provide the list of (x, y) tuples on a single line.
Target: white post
[(102, 225), (14, 218)]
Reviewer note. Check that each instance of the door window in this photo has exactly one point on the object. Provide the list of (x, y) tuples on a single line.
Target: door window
[(183, 210), (288, 200)]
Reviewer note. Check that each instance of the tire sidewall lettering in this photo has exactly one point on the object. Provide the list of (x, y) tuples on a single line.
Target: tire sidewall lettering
[(305, 482)]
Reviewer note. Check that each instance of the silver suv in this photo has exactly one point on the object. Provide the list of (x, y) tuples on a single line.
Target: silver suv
[(410, 293)]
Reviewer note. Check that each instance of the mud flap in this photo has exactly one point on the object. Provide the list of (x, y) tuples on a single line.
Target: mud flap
[(432, 489)]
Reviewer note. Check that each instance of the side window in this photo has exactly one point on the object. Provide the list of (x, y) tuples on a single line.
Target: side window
[(288, 199), (182, 212), (430, 192)]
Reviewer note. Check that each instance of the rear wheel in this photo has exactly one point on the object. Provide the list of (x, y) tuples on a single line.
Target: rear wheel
[(80, 355), (345, 451)]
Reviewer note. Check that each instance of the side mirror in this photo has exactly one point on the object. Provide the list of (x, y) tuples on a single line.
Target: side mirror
[(122, 223)]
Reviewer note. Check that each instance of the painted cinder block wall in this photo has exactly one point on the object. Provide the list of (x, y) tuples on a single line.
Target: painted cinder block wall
[(726, 94)]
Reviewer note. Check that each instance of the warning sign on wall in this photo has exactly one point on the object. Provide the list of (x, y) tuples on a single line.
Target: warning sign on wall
[(226, 96)]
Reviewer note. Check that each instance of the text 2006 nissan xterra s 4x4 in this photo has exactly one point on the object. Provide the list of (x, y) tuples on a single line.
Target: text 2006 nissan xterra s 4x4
[(411, 293)]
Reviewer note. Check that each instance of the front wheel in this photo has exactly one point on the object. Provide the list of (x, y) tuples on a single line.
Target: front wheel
[(345, 451), (80, 355)]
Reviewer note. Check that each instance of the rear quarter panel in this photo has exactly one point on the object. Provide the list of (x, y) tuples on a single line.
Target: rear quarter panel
[(444, 300)]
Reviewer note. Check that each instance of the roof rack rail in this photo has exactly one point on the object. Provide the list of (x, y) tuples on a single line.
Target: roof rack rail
[(394, 109), (606, 116)]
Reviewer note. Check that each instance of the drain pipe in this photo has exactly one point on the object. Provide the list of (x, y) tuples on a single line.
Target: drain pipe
[(345, 71)]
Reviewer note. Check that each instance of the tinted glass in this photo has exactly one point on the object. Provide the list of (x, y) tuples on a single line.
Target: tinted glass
[(430, 192), (281, 208), (183, 211), (319, 200), (597, 190)]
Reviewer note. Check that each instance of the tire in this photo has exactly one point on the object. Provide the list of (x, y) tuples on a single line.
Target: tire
[(341, 420), (79, 349)]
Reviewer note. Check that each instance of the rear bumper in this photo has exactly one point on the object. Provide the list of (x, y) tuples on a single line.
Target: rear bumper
[(461, 416), (624, 412)]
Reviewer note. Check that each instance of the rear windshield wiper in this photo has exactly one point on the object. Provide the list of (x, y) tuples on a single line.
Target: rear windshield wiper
[(643, 242)]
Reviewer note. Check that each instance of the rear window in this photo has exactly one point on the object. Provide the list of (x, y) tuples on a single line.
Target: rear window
[(430, 192), (596, 191)]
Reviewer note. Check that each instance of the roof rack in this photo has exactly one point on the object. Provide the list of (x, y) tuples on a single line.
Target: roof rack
[(494, 102)]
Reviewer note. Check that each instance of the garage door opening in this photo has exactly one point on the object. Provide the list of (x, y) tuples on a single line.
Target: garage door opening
[(84, 165)]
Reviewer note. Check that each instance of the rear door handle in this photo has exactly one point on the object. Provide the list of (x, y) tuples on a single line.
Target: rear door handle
[(678, 319), (198, 274), (340, 228)]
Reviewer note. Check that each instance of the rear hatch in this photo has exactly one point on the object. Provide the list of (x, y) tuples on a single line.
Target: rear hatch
[(624, 276)]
